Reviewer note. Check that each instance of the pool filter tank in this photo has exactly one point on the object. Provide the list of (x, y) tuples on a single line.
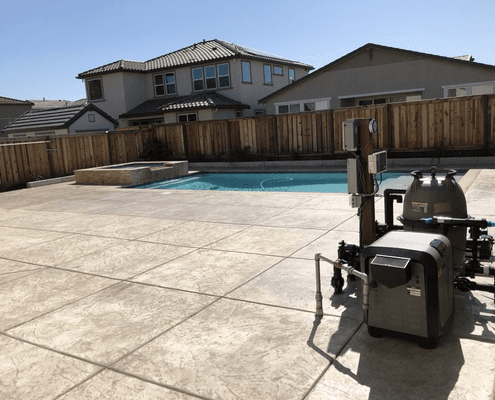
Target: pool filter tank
[(433, 196)]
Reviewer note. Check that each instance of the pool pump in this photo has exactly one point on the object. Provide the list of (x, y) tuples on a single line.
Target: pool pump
[(409, 271)]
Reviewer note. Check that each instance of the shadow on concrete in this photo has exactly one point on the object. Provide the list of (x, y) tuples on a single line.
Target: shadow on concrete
[(388, 367)]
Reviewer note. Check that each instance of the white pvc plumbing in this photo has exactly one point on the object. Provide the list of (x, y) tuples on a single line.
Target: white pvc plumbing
[(350, 270)]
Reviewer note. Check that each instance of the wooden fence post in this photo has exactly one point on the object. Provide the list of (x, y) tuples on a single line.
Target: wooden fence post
[(389, 128), (110, 151), (332, 133), (486, 124), (49, 151), (275, 135)]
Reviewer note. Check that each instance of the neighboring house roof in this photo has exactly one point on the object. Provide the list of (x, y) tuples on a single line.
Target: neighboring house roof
[(54, 118), (45, 104), (189, 102), (205, 51), (6, 101), (466, 60)]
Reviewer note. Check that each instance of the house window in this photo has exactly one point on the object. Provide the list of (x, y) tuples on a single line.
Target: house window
[(294, 108), (91, 118), (258, 112), (469, 89), (95, 89), (187, 117), (246, 71), (238, 113), (303, 106), (223, 75), (309, 106), (164, 84), (197, 74), (292, 75), (277, 70), (170, 82), (267, 72), (210, 77)]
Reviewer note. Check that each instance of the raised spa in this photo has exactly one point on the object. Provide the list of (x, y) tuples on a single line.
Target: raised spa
[(132, 173)]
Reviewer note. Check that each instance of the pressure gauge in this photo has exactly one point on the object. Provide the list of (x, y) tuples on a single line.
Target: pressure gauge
[(373, 126)]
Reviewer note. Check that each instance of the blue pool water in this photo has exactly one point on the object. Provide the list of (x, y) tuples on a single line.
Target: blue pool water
[(317, 182)]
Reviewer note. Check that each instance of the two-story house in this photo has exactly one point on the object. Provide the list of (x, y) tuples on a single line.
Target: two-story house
[(212, 79)]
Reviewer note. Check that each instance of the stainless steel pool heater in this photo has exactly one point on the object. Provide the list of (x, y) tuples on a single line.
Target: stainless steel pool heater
[(409, 271)]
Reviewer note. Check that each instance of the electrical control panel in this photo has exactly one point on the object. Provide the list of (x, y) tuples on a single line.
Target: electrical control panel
[(377, 162), (350, 134), (353, 176)]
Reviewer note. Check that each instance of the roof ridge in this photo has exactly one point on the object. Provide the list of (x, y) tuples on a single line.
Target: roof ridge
[(179, 50)]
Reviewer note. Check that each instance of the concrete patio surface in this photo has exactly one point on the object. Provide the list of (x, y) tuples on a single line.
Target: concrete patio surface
[(119, 293)]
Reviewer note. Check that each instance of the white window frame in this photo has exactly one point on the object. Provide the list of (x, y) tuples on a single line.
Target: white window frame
[(204, 79), (164, 85), (301, 104), (242, 72), (468, 86), (270, 82), (288, 74), (221, 76)]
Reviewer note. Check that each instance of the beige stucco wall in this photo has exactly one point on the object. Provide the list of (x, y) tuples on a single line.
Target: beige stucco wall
[(385, 73), (123, 91)]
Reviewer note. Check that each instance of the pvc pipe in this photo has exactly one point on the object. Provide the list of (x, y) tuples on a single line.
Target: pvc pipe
[(349, 270)]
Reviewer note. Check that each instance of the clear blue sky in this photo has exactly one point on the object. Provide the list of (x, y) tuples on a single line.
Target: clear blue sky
[(44, 44)]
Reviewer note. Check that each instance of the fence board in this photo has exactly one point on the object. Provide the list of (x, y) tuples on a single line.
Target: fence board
[(438, 124)]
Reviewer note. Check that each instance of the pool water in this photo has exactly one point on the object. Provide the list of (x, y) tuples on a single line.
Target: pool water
[(317, 182)]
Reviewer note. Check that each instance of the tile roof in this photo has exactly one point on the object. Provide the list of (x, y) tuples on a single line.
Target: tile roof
[(45, 104), (205, 51), (6, 101), (53, 118), (204, 100), (189, 102)]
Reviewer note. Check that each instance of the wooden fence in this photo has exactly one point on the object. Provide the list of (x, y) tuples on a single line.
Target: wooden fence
[(464, 125)]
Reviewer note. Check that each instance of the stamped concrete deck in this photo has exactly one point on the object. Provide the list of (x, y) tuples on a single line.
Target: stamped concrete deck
[(111, 293)]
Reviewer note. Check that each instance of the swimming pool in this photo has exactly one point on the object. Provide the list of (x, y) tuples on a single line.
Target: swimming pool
[(316, 182)]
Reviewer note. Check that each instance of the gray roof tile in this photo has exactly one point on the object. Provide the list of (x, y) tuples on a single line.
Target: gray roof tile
[(190, 102), (53, 118), (210, 50), (6, 101)]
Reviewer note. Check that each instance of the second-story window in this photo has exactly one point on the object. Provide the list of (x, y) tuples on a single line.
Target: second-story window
[(211, 77), (267, 72), (246, 71), (95, 89), (223, 75), (197, 75), (292, 75), (164, 84)]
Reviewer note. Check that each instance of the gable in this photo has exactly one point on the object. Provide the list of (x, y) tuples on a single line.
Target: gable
[(373, 56)]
